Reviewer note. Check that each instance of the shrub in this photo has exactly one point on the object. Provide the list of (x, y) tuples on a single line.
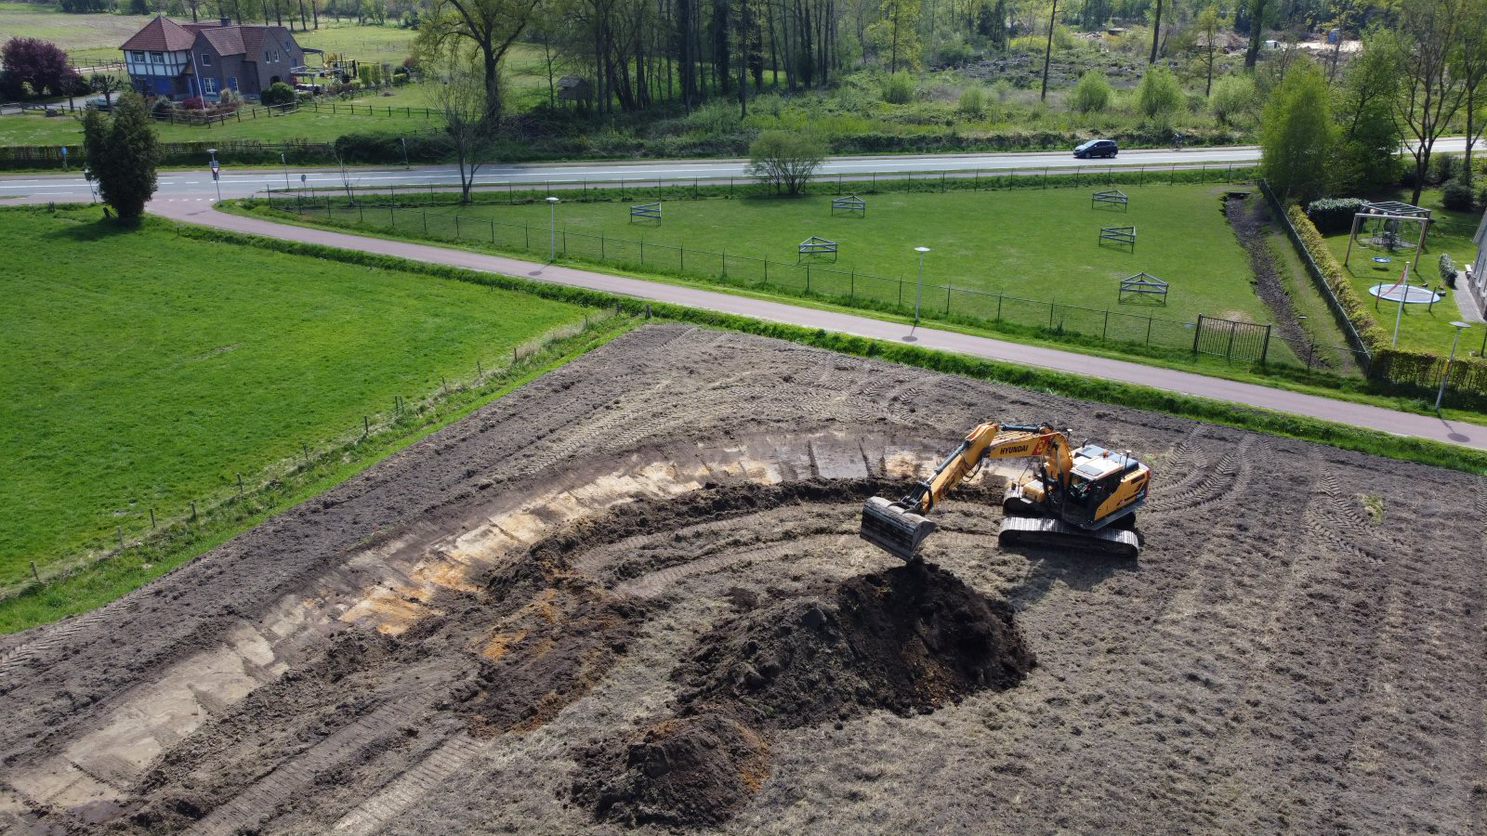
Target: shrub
[(1458, 195), (1092, 93), (122, 154), (194, 103), (163, 108), (1159, 95), (972, 101), (1444, 169), (898, 89), (785, 160), (1333, 214), (278, 93), (1447, 267), (1352, 304)]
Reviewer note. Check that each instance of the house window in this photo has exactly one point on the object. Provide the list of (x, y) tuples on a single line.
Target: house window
[(271, 56), (209, 86), (206, 59), (157, 58), (136, 56)]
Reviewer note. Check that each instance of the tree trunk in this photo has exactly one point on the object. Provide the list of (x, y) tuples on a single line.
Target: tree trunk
[(1256, 29), (492, 69), (1048, 50), (1156, 30)]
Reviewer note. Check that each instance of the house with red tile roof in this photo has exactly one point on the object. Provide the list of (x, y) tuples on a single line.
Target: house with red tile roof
[(184, 60)]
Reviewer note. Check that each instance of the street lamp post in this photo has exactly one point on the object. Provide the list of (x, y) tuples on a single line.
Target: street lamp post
[(919, 296), (1446, 375), (552, 241), (216, 169)]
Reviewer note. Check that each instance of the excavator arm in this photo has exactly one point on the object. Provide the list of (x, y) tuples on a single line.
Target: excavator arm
[(900, 527)]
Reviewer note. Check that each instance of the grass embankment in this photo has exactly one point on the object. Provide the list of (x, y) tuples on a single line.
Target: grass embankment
[(145, 371), (1422, 327), (1001, 255)]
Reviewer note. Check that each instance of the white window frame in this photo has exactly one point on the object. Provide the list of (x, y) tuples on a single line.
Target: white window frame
[(206, 59), (208, 86), (136, 55), (157, 58), (271, 56)]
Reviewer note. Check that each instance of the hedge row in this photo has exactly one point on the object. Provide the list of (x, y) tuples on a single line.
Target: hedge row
[(1393, 366), (1073, 386)]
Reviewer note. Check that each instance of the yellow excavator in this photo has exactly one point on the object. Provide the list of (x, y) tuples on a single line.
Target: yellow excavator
[(1081, 498)]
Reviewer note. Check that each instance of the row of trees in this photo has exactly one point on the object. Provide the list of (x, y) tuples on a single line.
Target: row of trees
[(1412, 82)]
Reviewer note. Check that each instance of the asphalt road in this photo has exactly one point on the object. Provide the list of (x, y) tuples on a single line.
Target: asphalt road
[(199, 186), (1370, 417)]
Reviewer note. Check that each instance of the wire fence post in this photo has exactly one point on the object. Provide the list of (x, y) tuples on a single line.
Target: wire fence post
[(1104, 332), (725, 264), (852, 285), (947, 300), (425, 214), (1148, 331), (808, 278)]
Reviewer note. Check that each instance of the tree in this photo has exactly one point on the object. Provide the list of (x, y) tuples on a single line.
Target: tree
[(1432, 90), (1296, 134), (1260, 12), (1471, 66), (898, 32), (122, 153), (785, 160), (1209, 23), (459, 97), (490, 26), (107, 84), (38, 66), (1368, 135)]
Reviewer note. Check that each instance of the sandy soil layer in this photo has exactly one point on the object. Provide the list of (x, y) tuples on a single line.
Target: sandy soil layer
[(556, 617)]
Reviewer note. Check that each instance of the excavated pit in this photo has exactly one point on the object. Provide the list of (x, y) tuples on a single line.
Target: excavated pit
[(910, 640)]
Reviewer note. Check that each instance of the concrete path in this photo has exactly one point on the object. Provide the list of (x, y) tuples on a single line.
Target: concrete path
[(1370, 417)]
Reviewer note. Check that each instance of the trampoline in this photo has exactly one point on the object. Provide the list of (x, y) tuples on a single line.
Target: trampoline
[(1412, 294)]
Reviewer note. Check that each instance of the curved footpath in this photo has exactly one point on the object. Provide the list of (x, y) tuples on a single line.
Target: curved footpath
[(1279, 400)]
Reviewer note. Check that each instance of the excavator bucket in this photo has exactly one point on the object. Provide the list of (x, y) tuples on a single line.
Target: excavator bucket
[(893, 529)]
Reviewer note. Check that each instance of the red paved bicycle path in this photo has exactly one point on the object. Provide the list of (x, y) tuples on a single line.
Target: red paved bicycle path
[(1187, 383)]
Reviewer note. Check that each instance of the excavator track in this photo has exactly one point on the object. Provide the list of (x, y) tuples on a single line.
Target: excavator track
[(1041, 532)]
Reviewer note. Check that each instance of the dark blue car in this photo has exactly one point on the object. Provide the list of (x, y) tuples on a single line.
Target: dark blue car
[(1096, 148)]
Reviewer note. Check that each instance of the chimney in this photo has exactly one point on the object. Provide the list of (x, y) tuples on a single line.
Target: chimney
[(226, 21)]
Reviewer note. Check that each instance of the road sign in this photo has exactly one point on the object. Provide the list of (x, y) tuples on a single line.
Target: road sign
[(64, 150), (215, 175), (215, 165)]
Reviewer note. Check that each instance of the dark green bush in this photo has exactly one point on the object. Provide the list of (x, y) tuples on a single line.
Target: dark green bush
[(1333, 214), (1458, 196), (278, 93)]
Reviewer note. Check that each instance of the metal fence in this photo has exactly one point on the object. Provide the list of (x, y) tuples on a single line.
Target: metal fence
[(1003, 311)]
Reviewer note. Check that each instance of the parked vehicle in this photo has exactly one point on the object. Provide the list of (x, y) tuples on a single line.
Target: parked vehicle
[(1096, 148)]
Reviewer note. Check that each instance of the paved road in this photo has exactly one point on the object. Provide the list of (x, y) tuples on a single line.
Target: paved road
[(1385, 420), (198, 185)]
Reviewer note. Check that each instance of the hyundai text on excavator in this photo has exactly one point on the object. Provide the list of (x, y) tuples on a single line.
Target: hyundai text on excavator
[(1078, 498)]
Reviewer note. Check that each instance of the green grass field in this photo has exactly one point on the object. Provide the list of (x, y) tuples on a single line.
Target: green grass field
[(1031, 244), (1421, 328), (143, 370)]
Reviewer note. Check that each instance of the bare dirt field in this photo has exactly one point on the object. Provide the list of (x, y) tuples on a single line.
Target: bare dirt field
[(630, 598)]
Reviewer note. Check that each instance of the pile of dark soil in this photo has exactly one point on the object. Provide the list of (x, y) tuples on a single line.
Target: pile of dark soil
[(690, 771), (911, 639)]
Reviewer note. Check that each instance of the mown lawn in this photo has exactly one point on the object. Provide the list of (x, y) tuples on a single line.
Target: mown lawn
[(1031, 244), (402, 113), (1422, 327), (142, 370)]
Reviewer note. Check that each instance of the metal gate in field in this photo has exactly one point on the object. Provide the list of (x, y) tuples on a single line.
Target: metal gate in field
[(1231, 339)]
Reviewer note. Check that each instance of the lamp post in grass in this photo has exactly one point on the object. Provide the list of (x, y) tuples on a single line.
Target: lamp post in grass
[(1446, 375), (919, 295), (216, 173), (552, 240)]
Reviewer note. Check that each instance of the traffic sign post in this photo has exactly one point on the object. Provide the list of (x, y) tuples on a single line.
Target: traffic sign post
[(64, 158), (216, 173)]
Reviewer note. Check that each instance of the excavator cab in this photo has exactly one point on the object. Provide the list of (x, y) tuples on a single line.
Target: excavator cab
[(1104, 487)]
